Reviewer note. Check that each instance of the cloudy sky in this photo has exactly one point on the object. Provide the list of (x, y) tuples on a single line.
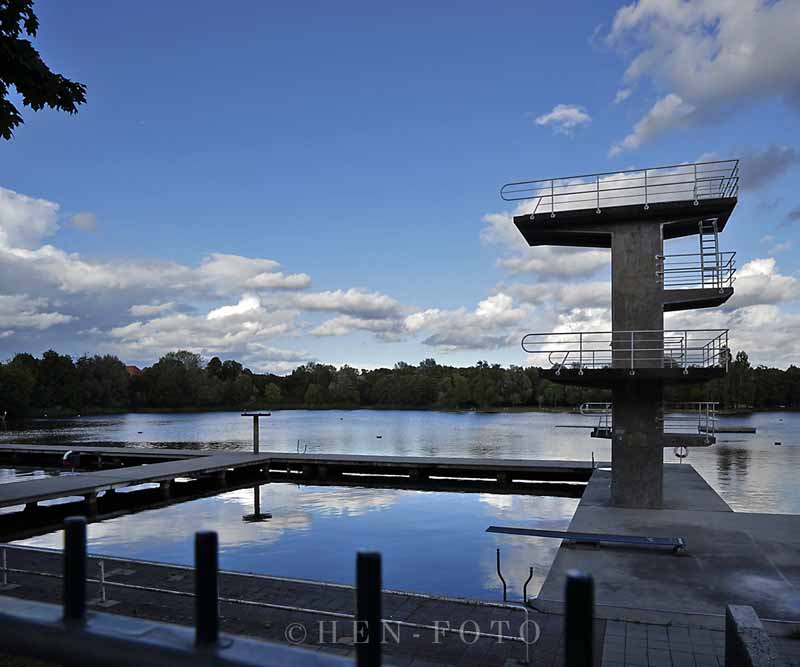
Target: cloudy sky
[(320, 181)]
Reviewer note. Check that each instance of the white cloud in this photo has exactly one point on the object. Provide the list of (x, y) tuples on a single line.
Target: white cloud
[(713, 55), (356, 302), (622, 95), (786, 246), (24, 220), (564, 118), (585, 294), (148, 310), (386, 329), (758, 282), (84, 220), (542, 260), (557, 261), (491, 325), (20, 311), (246, 304), (233, 329), (667, 113)]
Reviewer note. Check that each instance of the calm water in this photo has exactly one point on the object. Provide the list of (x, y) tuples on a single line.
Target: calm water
[(431, 542)]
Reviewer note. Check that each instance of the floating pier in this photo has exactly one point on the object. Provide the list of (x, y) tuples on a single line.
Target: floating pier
[(123, 480)]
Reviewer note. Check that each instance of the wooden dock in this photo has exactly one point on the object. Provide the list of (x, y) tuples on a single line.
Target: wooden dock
[(117, 480)]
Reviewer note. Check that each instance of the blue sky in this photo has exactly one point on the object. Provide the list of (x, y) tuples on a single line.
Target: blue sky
[(360, 149)]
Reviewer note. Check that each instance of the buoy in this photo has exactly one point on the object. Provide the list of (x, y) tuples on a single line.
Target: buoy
[(379, 436), (778, 443)]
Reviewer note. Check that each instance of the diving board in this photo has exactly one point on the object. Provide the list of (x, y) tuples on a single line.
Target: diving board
[(677, 544)]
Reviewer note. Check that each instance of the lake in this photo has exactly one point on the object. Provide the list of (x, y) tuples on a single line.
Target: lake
[(431, 542)]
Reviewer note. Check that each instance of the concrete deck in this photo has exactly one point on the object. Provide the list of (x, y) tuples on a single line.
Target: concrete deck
[(731, 557)]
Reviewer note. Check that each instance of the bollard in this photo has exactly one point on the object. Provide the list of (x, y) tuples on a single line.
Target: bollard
[(578, 619), (206, 588), (368, 609), (74, 568)]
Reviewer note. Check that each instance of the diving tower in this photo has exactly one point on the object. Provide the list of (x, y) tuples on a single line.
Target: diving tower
[(633, 213)]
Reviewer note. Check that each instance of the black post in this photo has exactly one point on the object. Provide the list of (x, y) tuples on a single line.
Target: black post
[(578, 641), (74, 568), (205, 588), (368, 609)]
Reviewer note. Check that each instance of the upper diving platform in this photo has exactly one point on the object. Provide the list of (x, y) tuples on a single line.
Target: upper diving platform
[(579, 210)]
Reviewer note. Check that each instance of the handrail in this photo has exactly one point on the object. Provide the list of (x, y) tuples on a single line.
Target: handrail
[(689, 271), (693, 417), (684, 182), (653, 348)]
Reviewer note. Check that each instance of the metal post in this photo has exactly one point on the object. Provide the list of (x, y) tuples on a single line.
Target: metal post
[(205, 588), (633, 364), (579, 611), (74, 568), (368, 609), (5, 568), (102, 581), (255, 434), (686, 349), (598, 194)]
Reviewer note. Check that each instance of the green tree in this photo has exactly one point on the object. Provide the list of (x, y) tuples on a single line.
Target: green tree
[(103, 382), (272, 394), (22, 67), (16, 389), (313, 396)]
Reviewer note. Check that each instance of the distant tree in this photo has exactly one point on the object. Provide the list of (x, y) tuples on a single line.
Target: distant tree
[(214, 367), (313, 396), (57, 382), (16, 389), (103, 382), (22, 67), (272, 394)]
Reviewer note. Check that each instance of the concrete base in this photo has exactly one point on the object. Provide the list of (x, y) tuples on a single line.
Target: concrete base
[(731, 558)]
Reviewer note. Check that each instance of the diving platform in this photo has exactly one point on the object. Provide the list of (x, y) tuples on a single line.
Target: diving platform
[(583, 210)]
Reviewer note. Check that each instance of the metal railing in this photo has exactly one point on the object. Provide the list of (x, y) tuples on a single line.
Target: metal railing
[(695, 417), (696, 270), (632, 350), (685, 182)]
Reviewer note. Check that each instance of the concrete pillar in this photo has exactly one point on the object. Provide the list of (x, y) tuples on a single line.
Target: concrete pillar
[(636, 305), (637, 447)]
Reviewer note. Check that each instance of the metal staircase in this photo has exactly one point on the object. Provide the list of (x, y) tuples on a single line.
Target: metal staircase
[(710, 258)]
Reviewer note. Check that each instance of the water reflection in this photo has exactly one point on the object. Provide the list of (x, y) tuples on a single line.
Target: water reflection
[(431, 542)]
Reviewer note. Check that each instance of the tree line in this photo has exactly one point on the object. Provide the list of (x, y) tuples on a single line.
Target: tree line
[(56, 384)]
